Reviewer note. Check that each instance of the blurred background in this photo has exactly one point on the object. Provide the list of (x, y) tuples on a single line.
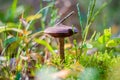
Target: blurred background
[(52, 11), (11, 10)]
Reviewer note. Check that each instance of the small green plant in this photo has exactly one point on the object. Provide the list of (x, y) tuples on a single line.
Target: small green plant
[(91, 15)]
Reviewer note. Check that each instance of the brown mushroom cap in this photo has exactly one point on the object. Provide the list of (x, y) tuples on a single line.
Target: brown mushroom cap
[(60, 31)]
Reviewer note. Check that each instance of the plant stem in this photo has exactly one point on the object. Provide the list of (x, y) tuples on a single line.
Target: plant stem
[(61, 49), (86, 32), (64, 18)]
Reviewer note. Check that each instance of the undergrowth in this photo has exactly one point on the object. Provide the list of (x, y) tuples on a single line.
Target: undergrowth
[(27, 53)]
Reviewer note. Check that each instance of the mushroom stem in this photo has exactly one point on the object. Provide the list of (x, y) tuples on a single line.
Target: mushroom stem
[(61, 49)]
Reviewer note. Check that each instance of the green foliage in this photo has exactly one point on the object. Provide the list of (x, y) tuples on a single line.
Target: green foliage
[(105, 37), (107, 42), (90, 74), (103, 62)]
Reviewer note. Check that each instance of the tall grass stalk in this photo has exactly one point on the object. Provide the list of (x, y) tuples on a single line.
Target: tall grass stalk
[(91, 18), (91, 8), (91, 15), (80, 19)]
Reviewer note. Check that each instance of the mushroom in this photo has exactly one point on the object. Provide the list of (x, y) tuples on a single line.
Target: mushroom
[(61, 31)]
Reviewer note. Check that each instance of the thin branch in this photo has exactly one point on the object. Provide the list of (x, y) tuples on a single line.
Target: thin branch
[(64, 18)]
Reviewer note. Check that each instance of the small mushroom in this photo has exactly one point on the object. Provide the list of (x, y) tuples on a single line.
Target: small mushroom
[(61, 31)]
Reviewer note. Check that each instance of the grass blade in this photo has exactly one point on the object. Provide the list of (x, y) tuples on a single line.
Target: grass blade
[(44, 43), (80, 18), (90, 10)]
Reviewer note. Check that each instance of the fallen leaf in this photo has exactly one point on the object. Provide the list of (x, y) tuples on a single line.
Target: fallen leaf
[(33, 17), (61, 74)]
